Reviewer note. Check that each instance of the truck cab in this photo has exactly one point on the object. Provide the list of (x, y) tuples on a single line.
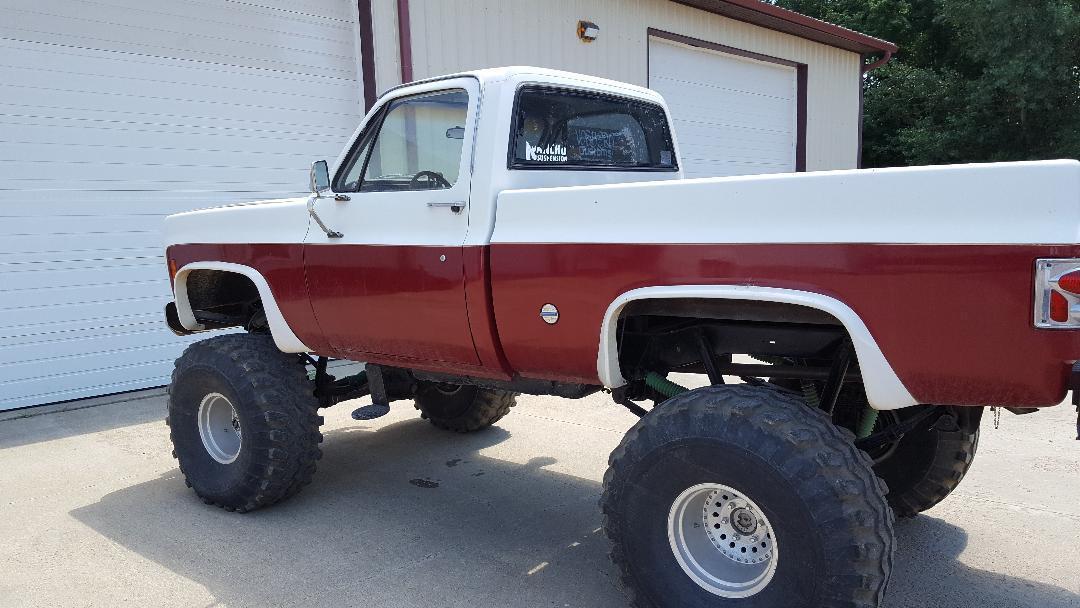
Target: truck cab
[(412, 201)]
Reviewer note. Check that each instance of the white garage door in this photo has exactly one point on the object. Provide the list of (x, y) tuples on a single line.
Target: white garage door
[(115, 113), (732, 115)]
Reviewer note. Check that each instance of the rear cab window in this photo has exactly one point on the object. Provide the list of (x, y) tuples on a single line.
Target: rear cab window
[(568, 129)]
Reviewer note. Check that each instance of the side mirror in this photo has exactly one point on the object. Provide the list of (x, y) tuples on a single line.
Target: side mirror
[(320, 176)]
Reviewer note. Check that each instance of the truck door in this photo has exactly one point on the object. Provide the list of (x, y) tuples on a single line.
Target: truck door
[(392, 283)]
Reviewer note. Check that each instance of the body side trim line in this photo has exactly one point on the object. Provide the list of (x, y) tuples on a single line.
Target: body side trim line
[(284, 337), (884, 390)]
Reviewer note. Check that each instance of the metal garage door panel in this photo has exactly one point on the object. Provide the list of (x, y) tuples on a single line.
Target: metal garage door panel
[(732, 115), (113, 119)]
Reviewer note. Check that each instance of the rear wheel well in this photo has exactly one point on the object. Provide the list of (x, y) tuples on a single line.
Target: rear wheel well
[(667, 330), (219, 298), (796, 344)]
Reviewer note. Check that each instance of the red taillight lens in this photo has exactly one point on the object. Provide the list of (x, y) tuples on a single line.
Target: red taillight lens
[(1057, 293), (1070, 282), (1059, 307)]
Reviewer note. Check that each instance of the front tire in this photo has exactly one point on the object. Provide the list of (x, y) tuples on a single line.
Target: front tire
[(710, 475), (462, 408), (243, 422)]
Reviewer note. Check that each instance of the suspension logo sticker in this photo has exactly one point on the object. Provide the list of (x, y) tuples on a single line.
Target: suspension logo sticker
[(555, 153)]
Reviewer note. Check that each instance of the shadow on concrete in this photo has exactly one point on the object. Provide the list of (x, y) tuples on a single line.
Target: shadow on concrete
[(928, 573), (48, 425), (406, 515)]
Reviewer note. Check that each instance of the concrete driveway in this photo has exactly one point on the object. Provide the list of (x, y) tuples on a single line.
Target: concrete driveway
[(93, 513)]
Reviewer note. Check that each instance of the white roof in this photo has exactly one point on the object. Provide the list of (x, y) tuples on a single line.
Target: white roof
[(496, 75)]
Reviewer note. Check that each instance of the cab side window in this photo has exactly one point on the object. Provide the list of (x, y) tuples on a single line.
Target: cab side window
[(568, 130), (418, 146)]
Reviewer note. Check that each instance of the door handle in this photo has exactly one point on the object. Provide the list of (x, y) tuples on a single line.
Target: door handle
[(454, 206), (333, 234)]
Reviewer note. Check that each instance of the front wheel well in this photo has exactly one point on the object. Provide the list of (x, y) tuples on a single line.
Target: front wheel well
[(220, 298)]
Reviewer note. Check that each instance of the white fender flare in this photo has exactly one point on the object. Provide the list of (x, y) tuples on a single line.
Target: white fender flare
[(884, 390), (284, 337)]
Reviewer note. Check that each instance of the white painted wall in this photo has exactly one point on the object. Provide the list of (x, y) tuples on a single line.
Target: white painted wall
[(468, 34), (733, 115), (115, 113)]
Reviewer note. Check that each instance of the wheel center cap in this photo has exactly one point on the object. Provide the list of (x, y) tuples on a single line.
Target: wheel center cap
[(743, 520)]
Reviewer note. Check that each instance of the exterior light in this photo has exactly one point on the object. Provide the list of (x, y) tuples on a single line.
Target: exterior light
[(587, 31)]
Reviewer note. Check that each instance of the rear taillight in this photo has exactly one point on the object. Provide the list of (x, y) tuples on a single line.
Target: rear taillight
[(1057, 293)]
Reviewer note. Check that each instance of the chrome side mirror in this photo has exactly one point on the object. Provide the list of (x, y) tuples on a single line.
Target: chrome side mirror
[(320, 177)]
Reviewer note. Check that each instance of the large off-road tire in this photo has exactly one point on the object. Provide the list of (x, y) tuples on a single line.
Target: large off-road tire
[(924, 467), (722, 474), (462, 408), (243, 421)]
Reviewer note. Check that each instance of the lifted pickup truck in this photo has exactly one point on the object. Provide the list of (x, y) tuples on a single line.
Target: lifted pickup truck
[(522, 230)]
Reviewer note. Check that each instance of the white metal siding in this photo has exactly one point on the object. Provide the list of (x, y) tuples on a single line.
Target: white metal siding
[(733, 116), (465, 34), (116, 113)]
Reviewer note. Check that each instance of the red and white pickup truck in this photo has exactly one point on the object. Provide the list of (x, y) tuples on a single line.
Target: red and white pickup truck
[(521, 230)]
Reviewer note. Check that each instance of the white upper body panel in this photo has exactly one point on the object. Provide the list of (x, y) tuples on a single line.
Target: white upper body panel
[(274, 221), (1001, 203)]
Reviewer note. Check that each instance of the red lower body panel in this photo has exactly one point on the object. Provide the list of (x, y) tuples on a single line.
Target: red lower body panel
[(954, 321), (282, 265)]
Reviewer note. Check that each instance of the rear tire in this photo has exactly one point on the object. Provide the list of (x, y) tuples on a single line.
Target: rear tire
[(243, 422), (804, 496), (924, 467), (462, 408)]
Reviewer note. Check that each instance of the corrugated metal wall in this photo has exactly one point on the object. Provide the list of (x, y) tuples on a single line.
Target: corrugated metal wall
[(114, 114), (466, 34)]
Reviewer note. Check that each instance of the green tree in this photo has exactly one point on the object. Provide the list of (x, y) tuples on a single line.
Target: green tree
[(974, 81)]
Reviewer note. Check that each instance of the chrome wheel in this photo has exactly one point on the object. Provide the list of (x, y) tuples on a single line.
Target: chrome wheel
[(722, 540), (219, 428)]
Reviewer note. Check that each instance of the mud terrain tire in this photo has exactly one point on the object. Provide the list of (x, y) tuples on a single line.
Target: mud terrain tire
[(832, 527), (274, 413), (462, 409), (924, 467)]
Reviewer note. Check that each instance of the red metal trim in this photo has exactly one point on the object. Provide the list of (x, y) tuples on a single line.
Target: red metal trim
[(775, 18), (367, 52), (722, 48), (877, 64), (801, 76), (862, 100), (404, 40)]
